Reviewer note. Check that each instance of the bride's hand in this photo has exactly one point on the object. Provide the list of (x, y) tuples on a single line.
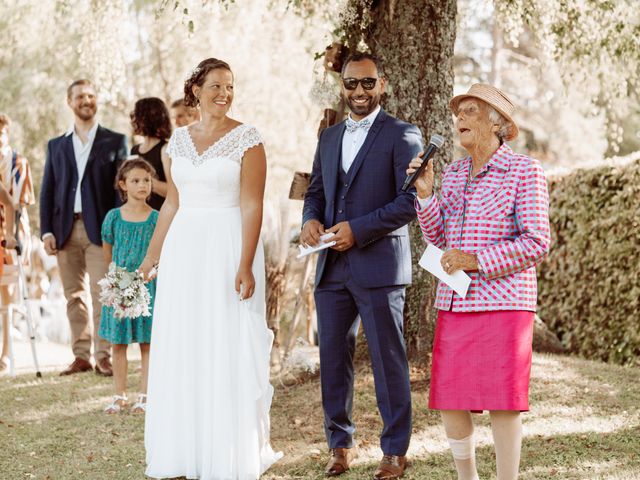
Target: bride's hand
[(148, 270), (245, 283)]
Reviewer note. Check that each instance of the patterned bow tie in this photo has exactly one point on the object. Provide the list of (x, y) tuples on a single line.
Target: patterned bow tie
[(352, 125)]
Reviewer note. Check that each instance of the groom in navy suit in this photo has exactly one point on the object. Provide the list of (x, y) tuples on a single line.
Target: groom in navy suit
[(355, 193), (77, 192)]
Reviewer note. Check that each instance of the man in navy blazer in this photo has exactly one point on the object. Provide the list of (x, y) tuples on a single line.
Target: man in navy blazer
[(77, 192), (355, 193)]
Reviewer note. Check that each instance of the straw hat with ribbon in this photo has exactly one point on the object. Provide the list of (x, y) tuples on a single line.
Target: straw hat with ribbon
[(493, 97)]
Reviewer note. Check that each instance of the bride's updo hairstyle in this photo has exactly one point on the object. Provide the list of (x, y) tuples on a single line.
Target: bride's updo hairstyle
[(197, 78)]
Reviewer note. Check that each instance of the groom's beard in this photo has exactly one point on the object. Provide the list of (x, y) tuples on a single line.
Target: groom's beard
[(363, 109)]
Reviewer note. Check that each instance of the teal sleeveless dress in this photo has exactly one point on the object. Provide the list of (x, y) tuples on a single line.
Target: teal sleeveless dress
[(130, 241)]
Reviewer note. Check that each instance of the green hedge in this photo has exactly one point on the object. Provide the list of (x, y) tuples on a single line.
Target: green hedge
[(589, 287)]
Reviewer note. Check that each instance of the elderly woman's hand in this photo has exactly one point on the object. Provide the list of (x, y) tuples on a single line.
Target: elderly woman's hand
[(424, 183), (454, 260)]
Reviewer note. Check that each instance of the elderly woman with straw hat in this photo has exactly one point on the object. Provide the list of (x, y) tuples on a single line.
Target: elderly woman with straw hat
[(491, 218)]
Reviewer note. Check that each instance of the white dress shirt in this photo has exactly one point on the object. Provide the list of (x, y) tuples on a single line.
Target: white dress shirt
[(81, 152), (353, 141)]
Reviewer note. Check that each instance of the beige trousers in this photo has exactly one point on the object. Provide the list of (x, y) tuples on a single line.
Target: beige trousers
[(78, 258)]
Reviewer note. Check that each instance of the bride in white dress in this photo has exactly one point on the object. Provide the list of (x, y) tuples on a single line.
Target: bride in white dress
[(209, 393)]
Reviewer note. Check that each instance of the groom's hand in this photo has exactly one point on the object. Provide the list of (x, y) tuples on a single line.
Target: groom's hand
[(344, 236), (311, 232)]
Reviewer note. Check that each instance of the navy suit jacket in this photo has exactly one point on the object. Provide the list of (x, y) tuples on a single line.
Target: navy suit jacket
[(60, 181), (376, 208)]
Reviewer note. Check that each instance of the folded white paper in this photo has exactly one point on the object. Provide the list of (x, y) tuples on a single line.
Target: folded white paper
[(304, 251), (430, 261)]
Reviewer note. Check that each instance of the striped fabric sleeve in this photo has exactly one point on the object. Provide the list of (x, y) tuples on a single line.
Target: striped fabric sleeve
[(532, 219), (431, 221)]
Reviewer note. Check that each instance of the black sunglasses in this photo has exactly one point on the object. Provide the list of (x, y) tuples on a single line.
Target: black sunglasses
[(367, 83)]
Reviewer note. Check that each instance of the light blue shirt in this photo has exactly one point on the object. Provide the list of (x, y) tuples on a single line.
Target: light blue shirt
[(353, 141)]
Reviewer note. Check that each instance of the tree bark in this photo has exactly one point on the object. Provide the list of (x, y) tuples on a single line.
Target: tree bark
[(415, 39)]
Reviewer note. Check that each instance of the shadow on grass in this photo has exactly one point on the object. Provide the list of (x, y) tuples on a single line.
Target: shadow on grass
[(567, 386), (580, 409), (577, 429), (56, 429), (567, 457)]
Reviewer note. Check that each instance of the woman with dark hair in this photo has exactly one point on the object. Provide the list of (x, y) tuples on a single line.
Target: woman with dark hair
[(150, 119), (209, 390)]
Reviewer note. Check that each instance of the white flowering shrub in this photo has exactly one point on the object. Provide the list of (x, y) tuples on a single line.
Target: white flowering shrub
[(325, 90), (593, 43), (303, 357)]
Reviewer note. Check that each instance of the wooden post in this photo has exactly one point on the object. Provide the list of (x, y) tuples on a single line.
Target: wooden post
[(297, 309)]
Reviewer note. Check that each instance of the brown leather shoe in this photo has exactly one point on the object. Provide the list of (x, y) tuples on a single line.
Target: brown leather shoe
[(391, 467), (79, 365), (340, 460), (104, 368)]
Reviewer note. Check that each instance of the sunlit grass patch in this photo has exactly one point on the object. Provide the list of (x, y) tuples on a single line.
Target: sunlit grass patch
[(584, 424)]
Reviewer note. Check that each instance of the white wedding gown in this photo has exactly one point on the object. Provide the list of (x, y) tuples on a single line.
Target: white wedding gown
[(209, 393)]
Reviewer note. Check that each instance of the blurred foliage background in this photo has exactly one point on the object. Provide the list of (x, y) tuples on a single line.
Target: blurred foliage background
[(572, 67)]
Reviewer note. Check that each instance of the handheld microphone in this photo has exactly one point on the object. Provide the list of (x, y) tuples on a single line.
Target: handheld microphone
[(435, 142)]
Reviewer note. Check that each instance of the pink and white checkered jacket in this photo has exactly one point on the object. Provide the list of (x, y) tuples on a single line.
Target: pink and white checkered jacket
[(502, 216)]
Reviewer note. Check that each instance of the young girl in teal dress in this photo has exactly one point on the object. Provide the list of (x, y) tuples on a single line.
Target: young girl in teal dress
[(126, 232)]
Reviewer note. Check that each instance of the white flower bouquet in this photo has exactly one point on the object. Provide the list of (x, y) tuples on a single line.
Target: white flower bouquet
[(126, 292)]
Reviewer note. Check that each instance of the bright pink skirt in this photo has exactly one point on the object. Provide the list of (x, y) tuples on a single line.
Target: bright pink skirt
[(481, 361)]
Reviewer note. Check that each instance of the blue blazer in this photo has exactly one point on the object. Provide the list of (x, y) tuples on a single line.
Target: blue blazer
[(376, 208), (60, 180)]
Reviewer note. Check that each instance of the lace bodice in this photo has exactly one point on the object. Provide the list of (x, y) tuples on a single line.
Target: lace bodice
[(210, 179)]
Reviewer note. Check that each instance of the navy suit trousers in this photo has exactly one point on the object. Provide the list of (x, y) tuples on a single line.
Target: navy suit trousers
[(341, 303)]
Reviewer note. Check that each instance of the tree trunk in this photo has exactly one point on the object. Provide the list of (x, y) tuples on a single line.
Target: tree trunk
[(415, 40)]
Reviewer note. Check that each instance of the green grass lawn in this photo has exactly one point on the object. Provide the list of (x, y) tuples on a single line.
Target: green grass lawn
[(584, 424)]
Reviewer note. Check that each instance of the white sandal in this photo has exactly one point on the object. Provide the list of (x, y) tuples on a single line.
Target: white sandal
[(141, 404), (114, 406)]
